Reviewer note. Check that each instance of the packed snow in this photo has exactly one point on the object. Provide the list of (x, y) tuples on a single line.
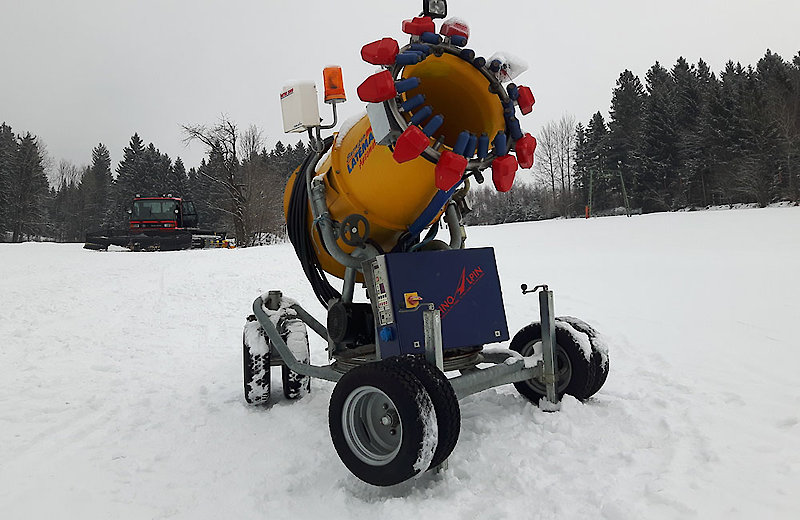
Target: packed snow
[(121, 384)]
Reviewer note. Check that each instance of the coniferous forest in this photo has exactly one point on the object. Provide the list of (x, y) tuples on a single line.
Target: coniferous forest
[(685, 137), (237, 188)]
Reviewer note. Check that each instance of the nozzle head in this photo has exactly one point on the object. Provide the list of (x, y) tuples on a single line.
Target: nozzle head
[(525, 100), (418, 25), (449, 170), (410, 145), (504, 169), (526, 148), (377, 88), (381, 52)]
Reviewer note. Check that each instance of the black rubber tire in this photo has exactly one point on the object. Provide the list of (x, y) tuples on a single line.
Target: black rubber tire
[(601, 364), (580, 373), (295, 385), (445, 401), (256, 391), (388, 390)]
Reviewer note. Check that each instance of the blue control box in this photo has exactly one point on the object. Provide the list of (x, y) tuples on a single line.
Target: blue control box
[(462, 284)]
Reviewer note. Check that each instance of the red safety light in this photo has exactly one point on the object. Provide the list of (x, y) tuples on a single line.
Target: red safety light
[(377, 88), (410, 144), (449, 169), (418, 25), (525, 148), (381, 52), (454, 28), (526, 100), (504, 169)]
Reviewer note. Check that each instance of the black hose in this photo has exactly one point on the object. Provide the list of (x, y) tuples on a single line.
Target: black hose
[(300, 236)]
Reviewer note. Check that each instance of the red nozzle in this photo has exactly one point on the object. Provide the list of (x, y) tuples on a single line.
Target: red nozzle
[(504, 169), (449, 169), (381, 52), (526, 100), (525, 148), (454, 28), (410, 144), (419, 25), (377, 88)]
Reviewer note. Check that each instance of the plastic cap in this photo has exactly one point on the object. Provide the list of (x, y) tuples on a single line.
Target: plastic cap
[(525, 100), (449, 170), (504, 170), (418, 25), (377, 88), (526, 148), (381, 52), (410, 144)]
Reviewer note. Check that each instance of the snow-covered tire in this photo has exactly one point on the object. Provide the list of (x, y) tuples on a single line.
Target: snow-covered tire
[(578, 373), (443, 397), (256, 363), (296, 385), (382, 423), (599, 350)]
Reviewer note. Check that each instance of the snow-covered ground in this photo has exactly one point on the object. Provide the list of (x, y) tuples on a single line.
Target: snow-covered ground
[(121, 393)]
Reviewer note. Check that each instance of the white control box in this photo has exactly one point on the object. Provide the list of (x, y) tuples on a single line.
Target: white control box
[(299, 106)]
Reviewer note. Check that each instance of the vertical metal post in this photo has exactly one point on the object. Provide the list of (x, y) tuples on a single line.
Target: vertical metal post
[(548, 345), (432, 324)]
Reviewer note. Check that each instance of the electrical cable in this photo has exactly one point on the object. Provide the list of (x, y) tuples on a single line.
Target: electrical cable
[(300, 236)]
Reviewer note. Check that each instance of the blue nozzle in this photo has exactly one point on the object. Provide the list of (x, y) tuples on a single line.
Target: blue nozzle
[(500, 144), (483, 146), (479, 62), (421, 115), (433, 125), (467, 55), (461, 143), (473, 141), (412, 103), (514, 128), (409, 58), (458, 40), (420, 47), (494, 66), (513, 91), (404, 85), (432, 38)]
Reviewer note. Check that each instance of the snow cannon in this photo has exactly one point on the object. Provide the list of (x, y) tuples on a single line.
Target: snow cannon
[(366, 206), (436, 115)]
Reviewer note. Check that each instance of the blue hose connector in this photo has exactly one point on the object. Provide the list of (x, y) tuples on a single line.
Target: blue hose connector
[(421, 115), (483, 146), (433, 125), (500, 144), (404, 85)]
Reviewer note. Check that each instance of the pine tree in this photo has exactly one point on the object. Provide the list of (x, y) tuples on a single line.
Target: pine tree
[(8, 147), (625, 131), (28, 191), (130, 179), (658, 181), (99, 197)]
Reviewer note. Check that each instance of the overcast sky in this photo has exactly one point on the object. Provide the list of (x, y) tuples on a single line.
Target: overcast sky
[(80, 72)]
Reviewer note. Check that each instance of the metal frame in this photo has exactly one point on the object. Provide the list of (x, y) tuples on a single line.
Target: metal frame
[(469, 382)]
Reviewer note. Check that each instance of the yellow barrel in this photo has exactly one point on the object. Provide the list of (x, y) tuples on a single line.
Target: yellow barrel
[(362, 177)]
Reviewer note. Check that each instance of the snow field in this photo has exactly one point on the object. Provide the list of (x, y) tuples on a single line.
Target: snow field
[(121, 390)]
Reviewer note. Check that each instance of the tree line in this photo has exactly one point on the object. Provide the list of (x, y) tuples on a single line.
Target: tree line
[(237, 188), (690, 138)]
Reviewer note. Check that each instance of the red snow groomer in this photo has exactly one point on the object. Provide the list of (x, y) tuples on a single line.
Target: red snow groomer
[(163, 223)]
